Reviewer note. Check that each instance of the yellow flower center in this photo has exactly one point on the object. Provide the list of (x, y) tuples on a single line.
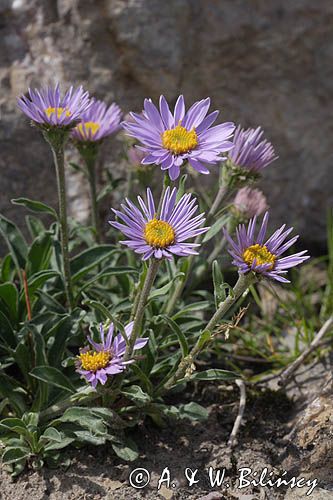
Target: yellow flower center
[(159, 233), (85, 127), (261, 254), (179, 139), (93, 361), (59, 111)]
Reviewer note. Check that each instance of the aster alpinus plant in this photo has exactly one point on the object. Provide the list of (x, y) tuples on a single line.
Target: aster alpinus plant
[(137, 320)]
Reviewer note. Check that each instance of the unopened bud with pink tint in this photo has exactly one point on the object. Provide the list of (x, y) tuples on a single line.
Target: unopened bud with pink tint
[(135, 156), (250, 202)]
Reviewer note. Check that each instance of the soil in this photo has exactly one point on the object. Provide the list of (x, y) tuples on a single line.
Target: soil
[(282, 431)]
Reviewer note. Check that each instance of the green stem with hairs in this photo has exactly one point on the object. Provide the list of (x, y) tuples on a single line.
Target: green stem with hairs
[(166, 183), (89, 152), (222, 193), (148, 283), (93, 196), (57, 139), (243, 283)]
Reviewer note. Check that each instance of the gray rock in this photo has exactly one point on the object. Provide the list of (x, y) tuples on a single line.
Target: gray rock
[(266, 63), (317, 494)]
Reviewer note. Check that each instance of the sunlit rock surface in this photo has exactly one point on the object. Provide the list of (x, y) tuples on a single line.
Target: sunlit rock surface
[(266, 63)]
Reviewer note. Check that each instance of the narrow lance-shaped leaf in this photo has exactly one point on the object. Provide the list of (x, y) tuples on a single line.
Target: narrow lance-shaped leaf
[(35, 206), (53, 376), (15, 241)]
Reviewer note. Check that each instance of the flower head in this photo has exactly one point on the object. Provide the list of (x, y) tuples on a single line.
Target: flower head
[(100, 360), (97, 122), (249, 202), (252, 253), (47, 107), (164, 235), (169, 139), (250, 150)]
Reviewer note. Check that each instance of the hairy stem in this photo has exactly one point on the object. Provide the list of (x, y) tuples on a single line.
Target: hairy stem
[(220, 196), (58, 157), (178, 290), (91, 170), (149, 281)]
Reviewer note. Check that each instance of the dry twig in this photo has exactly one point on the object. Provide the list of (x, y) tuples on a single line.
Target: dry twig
[(287, 373), (242, 402)]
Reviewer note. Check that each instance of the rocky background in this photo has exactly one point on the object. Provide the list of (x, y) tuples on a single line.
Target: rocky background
[(264, 62)]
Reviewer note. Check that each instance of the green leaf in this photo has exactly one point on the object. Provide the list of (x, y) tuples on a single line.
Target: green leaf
[(193, 411), (204, 338), (164, 289), (181, 187), (12, 455), (12, 424), (53, 376), (10, 389), (216, 227), (23, 358), (127, 450), (9, 295), (136, 394), (88, 259), (35, 206), (219, 285), (7, 268), (86, 418), (51, 434), (15, 241), (195, 306), (61, 333), (35, 226), (110, 417), (143, 377), (39, 346), (89, 437), (214, 374), (37, 281), (104, 192), (51, 304), (31, 419), (77, 167), (39, 254), (98, 306), (17, 468), (55, 445), (109, 271), (52, 439), (6, 331), (180, 335)]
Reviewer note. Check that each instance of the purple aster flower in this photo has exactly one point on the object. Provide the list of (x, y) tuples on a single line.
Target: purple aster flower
[(164, 235), (47, 107), (100, 360), (171, 139), (250, 202), (250, 150), (252, 253), (97, 122)]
